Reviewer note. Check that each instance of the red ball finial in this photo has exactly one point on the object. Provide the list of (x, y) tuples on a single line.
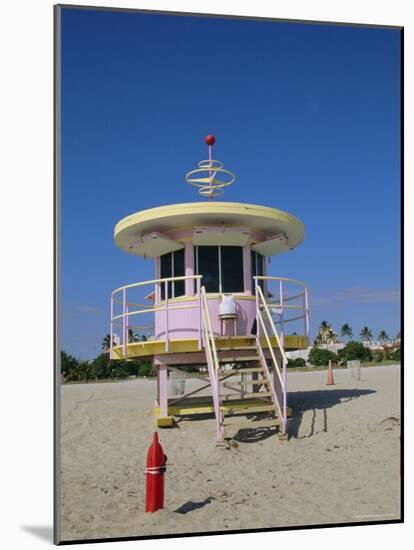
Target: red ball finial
[(210, 139)]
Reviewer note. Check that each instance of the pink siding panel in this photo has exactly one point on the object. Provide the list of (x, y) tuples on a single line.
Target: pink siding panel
[(184, 323)]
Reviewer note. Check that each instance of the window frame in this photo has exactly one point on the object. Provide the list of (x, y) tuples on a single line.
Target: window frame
[(255, 271), (220, 268), (171, 284)]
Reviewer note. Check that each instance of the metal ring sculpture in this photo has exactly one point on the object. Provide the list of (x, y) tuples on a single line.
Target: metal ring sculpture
[(209, 186)]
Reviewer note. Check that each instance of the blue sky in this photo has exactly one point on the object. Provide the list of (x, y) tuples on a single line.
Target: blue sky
[(306, 116)]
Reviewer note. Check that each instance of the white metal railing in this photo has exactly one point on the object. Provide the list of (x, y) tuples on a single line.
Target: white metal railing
[(212, 362), (129, 309), (281, 304)]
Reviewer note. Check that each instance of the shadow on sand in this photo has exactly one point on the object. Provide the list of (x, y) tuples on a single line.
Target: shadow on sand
[(300, 402), (318, 400), (254, 435), (190, 505)]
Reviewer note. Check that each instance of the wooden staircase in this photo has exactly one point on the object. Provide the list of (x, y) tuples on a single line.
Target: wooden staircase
[(251, 407), (262, 368)]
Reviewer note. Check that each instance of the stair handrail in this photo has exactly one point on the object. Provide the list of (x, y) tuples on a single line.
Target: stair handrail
[(212, 361), (260, 301), (266, 334), (269, 379)]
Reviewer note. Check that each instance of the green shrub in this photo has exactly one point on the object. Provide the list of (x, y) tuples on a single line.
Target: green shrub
[(299, 362), (291, 364), (101, 367), (396, 355), (353, 351), (320, 357), (136, 367), (378, 357), (145, 369), (69, 366)]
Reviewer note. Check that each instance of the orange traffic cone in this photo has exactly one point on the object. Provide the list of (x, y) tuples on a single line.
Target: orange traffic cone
[(330, 380)]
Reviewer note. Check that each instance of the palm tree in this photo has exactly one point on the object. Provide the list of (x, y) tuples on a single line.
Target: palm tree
[(366, 334), (331, 336), (132, 337), (106, 343), (346, 331), (326, 334), (383, 336)]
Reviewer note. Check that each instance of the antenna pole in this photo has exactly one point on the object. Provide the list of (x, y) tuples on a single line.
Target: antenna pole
[(210, 171), (204, 177), (210, 141)]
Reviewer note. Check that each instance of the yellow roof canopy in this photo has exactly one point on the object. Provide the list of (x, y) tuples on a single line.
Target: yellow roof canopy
[(135, 233)]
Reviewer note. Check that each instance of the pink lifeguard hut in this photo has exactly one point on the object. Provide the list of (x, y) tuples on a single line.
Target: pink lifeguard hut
[(214, 311)]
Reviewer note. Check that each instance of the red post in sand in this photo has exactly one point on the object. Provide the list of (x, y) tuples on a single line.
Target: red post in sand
[(330, 380), (156, 460)]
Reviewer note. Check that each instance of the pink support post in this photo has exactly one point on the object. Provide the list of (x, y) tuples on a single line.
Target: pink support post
[(200, 325), (247, 269), (163, 389), (189, 268), (157, 400), (124, 343), (167, 336), (284, 396)]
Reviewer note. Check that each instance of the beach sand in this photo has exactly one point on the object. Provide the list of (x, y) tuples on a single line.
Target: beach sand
[(340, 465)]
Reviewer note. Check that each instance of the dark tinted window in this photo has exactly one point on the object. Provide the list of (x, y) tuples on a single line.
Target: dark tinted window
[(166, 271), (179, 271), (257, 269), (232, 269), (208, 267), (172, 265)]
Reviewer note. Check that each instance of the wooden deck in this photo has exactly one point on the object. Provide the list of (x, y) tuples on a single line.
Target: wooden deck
[(190, 345)]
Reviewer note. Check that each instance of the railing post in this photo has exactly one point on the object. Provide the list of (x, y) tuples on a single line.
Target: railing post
[(157, 284), (282, 329), (256, 284), (167, 336), (111, 329), (124, 343), (127, 324), (200, 341), (284, 396), (306, 298)]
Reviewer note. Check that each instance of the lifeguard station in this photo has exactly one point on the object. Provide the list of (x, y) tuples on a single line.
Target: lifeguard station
[(212, 305)]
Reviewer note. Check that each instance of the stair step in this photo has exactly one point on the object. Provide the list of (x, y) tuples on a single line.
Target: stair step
[(239, 359), (248, 395), (235, 348), (249, 382), (251, 410), (252, 425), (241, 371)]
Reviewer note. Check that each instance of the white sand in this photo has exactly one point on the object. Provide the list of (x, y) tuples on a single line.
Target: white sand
[(341, 464)]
